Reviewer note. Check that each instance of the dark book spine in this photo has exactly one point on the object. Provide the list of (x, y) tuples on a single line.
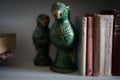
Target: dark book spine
[(116, 46)]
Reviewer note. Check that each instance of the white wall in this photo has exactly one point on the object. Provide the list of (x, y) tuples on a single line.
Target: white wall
[(19, 16)]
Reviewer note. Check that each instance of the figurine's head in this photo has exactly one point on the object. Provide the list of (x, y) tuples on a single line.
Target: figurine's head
[(43, 19), (60, 10)]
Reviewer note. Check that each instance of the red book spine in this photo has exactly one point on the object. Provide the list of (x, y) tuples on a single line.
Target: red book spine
[(89, 66)]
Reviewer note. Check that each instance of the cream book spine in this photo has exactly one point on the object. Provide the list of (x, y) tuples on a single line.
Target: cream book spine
[(82, 56), (103, 44), (108, 44), (99, 46)]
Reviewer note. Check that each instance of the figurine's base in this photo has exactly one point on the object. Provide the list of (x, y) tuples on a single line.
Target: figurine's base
[(62, 69), (63, 63), (42, 62)]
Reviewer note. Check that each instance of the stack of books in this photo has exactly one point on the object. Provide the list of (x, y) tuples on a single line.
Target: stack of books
[(99, 46)]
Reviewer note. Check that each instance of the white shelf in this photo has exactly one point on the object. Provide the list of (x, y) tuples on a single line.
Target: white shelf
[(42, 73)]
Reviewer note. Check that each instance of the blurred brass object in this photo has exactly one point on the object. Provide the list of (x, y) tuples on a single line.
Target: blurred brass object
[(7, 42), (5, 56)]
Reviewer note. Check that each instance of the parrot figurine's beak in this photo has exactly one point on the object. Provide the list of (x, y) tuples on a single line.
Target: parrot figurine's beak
[(57, 14)]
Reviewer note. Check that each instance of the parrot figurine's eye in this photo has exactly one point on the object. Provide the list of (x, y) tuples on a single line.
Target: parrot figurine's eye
[(60, 14)]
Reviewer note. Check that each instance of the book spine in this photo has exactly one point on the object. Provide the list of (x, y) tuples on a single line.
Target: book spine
[(103, 45), (82, 47), (108, 44), (96, 47), (116, 46), (99, 47), (89, 54)]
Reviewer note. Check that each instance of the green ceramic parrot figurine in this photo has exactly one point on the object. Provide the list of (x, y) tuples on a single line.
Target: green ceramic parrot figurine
[(62, 36), (41, 41)]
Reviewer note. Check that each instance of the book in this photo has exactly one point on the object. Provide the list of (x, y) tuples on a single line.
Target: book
[(98, 69), (81, 49), (89, 49), (108, 44), (102, 42), (116, 45), (7, 42), (116, 39)]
